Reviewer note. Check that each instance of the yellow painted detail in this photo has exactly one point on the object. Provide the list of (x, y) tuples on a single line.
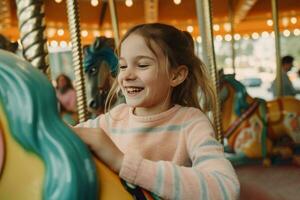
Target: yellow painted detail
[(110, 184), (23, 172)]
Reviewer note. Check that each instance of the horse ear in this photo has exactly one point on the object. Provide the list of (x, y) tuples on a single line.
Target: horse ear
[(97, 43), (102, 41), (7, 45)]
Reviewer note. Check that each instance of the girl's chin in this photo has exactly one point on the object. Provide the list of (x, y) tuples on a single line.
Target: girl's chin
[(134, 104)]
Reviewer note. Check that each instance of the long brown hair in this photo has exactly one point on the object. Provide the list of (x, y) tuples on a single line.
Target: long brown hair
[(178, 48), (68, 85)]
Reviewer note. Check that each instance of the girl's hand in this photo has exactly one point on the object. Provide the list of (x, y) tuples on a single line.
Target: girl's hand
[(102, 146)]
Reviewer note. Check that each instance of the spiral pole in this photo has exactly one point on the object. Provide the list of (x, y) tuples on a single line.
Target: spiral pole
[(32, 26), (74, 28)]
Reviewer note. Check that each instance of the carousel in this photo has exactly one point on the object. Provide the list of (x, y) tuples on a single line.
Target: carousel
[(40, 157)]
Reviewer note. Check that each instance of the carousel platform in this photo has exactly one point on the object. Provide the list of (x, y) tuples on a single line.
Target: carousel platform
[(269, 183)]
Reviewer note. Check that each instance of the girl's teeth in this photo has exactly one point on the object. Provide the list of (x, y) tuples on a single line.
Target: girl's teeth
[(133, 90)]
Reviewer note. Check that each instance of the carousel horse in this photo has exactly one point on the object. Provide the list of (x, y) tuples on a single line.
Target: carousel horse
[(100, 67), (256, 129), (40, 156)]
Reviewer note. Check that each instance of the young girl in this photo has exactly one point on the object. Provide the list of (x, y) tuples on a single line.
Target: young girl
[(161, 140)]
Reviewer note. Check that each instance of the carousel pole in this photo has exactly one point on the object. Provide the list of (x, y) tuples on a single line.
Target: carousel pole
[(114, 20), (32, 26), (203, 8), (73, 20), (231, 19), (202, 26), (278, 82)]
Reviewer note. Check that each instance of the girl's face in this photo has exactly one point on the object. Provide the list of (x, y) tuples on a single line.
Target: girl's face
[(143, 77)]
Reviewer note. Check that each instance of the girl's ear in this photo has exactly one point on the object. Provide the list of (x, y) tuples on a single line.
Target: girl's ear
[(178, 75)]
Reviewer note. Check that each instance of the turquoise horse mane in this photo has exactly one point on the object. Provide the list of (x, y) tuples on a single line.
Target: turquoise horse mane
[(98, 52), (29, 103), (240, 103)]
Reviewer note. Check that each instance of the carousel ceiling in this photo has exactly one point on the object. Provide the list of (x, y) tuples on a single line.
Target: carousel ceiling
[(250, 16)]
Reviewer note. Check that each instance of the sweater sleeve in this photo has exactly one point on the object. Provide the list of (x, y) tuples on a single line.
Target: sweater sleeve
[(210, 176), (91, 123)]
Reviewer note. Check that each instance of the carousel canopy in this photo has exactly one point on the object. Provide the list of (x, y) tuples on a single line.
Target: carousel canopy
[(250, 16)]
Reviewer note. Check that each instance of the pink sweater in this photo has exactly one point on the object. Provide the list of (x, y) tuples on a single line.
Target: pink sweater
[(173, 154)]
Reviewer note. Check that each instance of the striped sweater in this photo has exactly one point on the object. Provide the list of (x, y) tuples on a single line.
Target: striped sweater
[(172, 154)]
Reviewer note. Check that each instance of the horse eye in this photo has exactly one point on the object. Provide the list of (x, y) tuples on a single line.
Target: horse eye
[(93, 70)]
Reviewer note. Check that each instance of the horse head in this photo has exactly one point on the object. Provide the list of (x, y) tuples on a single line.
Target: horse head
[(7, 45), (231, 87), (234, 98), (100, 66)]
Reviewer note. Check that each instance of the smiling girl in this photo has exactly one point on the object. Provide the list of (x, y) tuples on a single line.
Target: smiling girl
[(161, 139)]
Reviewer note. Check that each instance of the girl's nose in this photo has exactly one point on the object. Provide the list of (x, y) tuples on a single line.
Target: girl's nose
[(129, 73)]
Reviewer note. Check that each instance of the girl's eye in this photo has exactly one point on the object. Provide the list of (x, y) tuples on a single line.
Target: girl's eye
[(143, 65), (123, 66)]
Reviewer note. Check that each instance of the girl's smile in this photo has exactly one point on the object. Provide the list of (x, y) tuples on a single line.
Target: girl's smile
[(133, 91)]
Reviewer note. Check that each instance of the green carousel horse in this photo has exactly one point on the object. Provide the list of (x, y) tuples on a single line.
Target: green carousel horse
[(100, 68), (40, 156), (258, 130)]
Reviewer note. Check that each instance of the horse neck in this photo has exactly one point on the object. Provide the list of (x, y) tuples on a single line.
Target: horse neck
[(241, 97), (104, 77), (236, 102)]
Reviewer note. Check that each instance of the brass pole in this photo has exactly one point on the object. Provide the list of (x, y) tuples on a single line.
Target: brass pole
[(278, 82), (231, 19), (202, 27), (32, 26), (74, 26), (203, 8), (114, 20)]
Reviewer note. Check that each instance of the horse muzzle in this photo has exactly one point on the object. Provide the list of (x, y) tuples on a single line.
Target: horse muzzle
[(98, 101)]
